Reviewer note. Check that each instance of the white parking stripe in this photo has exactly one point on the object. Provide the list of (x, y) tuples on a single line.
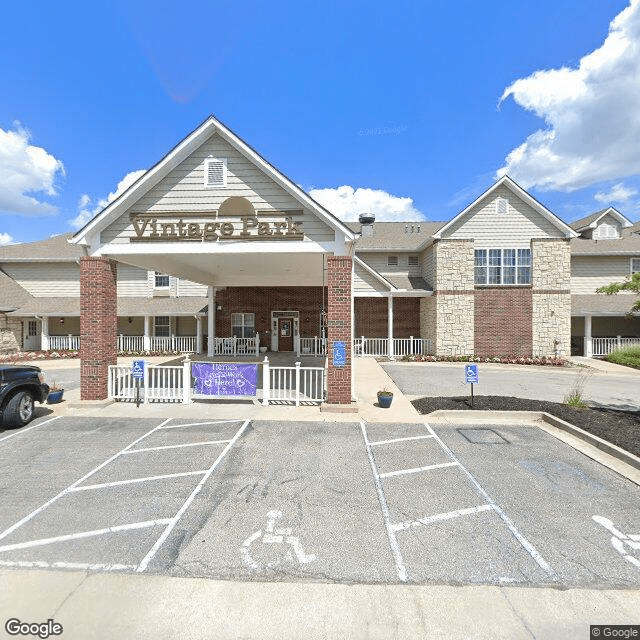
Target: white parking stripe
[(85, 534), (199, 424), (80, 566), (373, 444), (393, 541), (401, 526), (403, 472), (531, 550), (26, 519), (40, 424), (160, 541), (89, 487), (177, 446)]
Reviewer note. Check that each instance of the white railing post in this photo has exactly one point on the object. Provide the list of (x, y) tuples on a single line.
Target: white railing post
[(110, 381), (410, 345), (186, 380), (297, 383), (619, 341), (145, 382), (362, 351), (235, 344), (257, 344), (266, 379)]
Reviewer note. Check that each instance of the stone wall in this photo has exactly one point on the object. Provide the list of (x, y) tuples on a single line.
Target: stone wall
[(10, 335)]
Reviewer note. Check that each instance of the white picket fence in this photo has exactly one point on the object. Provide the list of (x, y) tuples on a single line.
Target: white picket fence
[(604, 346), (290, 385), (130, 343), (313, 346), (236, 346), (379, 347), (64, 343)]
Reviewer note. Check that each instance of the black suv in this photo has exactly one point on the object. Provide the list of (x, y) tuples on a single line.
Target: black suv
[(20, 385)]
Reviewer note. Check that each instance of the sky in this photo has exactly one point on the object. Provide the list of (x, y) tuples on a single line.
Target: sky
[(409, 110)]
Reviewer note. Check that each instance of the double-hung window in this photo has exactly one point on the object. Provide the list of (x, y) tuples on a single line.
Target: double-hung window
[(635, 265), (162, 326), (243, 325), (161, 281), (502, 266)]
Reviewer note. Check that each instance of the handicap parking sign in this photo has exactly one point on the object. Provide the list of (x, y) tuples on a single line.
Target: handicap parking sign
[(137, 369), (471, 373)]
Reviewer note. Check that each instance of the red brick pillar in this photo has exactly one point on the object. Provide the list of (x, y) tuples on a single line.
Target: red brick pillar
[(339, 327), (98, 325)]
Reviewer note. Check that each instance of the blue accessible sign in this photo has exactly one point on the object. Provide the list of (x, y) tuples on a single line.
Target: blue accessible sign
[(471, 373), (339, 354), (225, 378), (137, 369)]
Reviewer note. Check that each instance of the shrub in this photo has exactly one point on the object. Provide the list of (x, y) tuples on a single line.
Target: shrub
[(527, 360), (628, 356)]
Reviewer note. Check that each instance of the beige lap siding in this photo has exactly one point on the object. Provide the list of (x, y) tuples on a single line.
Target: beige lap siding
[(98, 323), (339, 328), (371, 317)]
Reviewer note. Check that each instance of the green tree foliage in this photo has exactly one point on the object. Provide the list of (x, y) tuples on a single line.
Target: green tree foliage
[(631, 284)]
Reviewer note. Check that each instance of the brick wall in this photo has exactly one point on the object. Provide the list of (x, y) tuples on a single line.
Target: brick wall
[(339, 327), (371, 317), (503, 321), (98, 324)]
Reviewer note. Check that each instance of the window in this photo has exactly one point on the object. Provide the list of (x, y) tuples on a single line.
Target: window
[(502, 266), (243, 325), (607, 231), (392, 261), (502, 206), (162, 326), (413, 261), (635, 265), (215, 172), (32, 328), (161, 281)]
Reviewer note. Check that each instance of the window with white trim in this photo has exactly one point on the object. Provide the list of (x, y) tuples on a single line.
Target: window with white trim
[(502, 266), (635, 265), (392, 261), (215, 172), (607, 231), (160, 281), (243, 325), (162, 326)]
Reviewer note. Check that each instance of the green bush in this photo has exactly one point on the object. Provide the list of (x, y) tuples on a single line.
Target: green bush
[(629, 356)]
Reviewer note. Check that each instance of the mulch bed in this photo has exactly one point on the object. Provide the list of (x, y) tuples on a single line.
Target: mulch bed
[(621, 428)]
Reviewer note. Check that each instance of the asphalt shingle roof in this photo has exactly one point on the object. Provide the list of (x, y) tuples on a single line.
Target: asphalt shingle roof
[(396, 236), (56, 249), (12, 295), (626, 245), (583, 222), (600, 303)]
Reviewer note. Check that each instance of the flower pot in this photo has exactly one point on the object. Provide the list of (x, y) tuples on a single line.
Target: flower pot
[(384, 400), (263, 349), (55, 396)]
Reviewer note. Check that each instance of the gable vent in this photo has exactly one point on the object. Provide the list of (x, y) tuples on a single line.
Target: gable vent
[(502, 206), (392, 261), (413, 261), (215, 172)]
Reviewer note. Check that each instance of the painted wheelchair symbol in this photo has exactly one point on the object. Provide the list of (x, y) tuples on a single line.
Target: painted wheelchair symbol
[(271, 535), (619, 540)]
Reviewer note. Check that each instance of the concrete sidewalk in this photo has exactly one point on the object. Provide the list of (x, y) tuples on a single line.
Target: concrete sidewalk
[(103, 605)]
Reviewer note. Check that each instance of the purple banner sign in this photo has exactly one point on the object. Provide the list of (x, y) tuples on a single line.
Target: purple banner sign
[(225, 379)]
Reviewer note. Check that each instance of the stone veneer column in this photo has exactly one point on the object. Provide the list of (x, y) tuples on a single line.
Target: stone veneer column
[(339, 327), (98, 325), (454, 298), (551, 288)]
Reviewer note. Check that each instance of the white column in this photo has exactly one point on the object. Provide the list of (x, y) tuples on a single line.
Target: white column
[(44, 342), (588, 344), (198, 334), (390, 325), (146, 340), (211, 320)]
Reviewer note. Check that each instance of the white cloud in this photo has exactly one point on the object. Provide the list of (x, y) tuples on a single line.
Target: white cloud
[(348, 203), (26, 169), (617, 193), (87, 212), (591, 112), (5, 238)]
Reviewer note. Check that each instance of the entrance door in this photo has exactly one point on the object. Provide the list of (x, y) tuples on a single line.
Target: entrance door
[(31, 335), (285, 334)]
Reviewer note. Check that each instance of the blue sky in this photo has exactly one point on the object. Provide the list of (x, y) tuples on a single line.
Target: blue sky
[(409, 109)]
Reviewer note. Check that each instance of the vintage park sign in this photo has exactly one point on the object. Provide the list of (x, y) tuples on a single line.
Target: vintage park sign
[(157, 228)]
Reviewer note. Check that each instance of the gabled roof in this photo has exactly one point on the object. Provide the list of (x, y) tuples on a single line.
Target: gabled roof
[(591, 221), (55, 248), (396, 236), (182, 151), (12, 295), (517, 190)]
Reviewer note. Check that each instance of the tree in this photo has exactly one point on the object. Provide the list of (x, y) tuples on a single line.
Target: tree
[(631, 284)]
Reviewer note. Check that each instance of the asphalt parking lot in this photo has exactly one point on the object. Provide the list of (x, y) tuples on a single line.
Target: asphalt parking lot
[(330, 502)]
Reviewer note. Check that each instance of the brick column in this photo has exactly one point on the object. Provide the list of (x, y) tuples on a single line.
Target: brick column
[(98, 325), (339, 327)]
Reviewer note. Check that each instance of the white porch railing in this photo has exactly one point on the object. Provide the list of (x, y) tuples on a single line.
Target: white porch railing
[(182, 344), (376, 347), (379, 347), (160, 384), (411, 346), (236, 346), (292, 384), (313, 346), (64, 342), (604, 346), (130, 343)]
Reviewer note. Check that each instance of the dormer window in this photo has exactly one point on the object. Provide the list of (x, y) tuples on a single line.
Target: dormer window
[(160, 280), (215, 173), (606, 231)]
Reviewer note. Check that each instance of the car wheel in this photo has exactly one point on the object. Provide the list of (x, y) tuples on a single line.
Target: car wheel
[(19, 410)]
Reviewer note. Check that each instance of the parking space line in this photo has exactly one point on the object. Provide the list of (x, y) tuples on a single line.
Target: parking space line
[(80, 566), (439, 517), (64, 492), (373, 444), (198, 424), (160, 541), (177, 446), (393, 541), (531, 550), (403, 472), (40, 424), (84, 534), (89, 487)]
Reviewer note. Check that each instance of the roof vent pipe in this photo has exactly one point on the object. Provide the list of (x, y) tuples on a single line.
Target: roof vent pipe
[(366, 224)]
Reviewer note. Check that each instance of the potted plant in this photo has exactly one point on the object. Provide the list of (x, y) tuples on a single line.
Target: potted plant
[(55, 394), (384, 398)]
